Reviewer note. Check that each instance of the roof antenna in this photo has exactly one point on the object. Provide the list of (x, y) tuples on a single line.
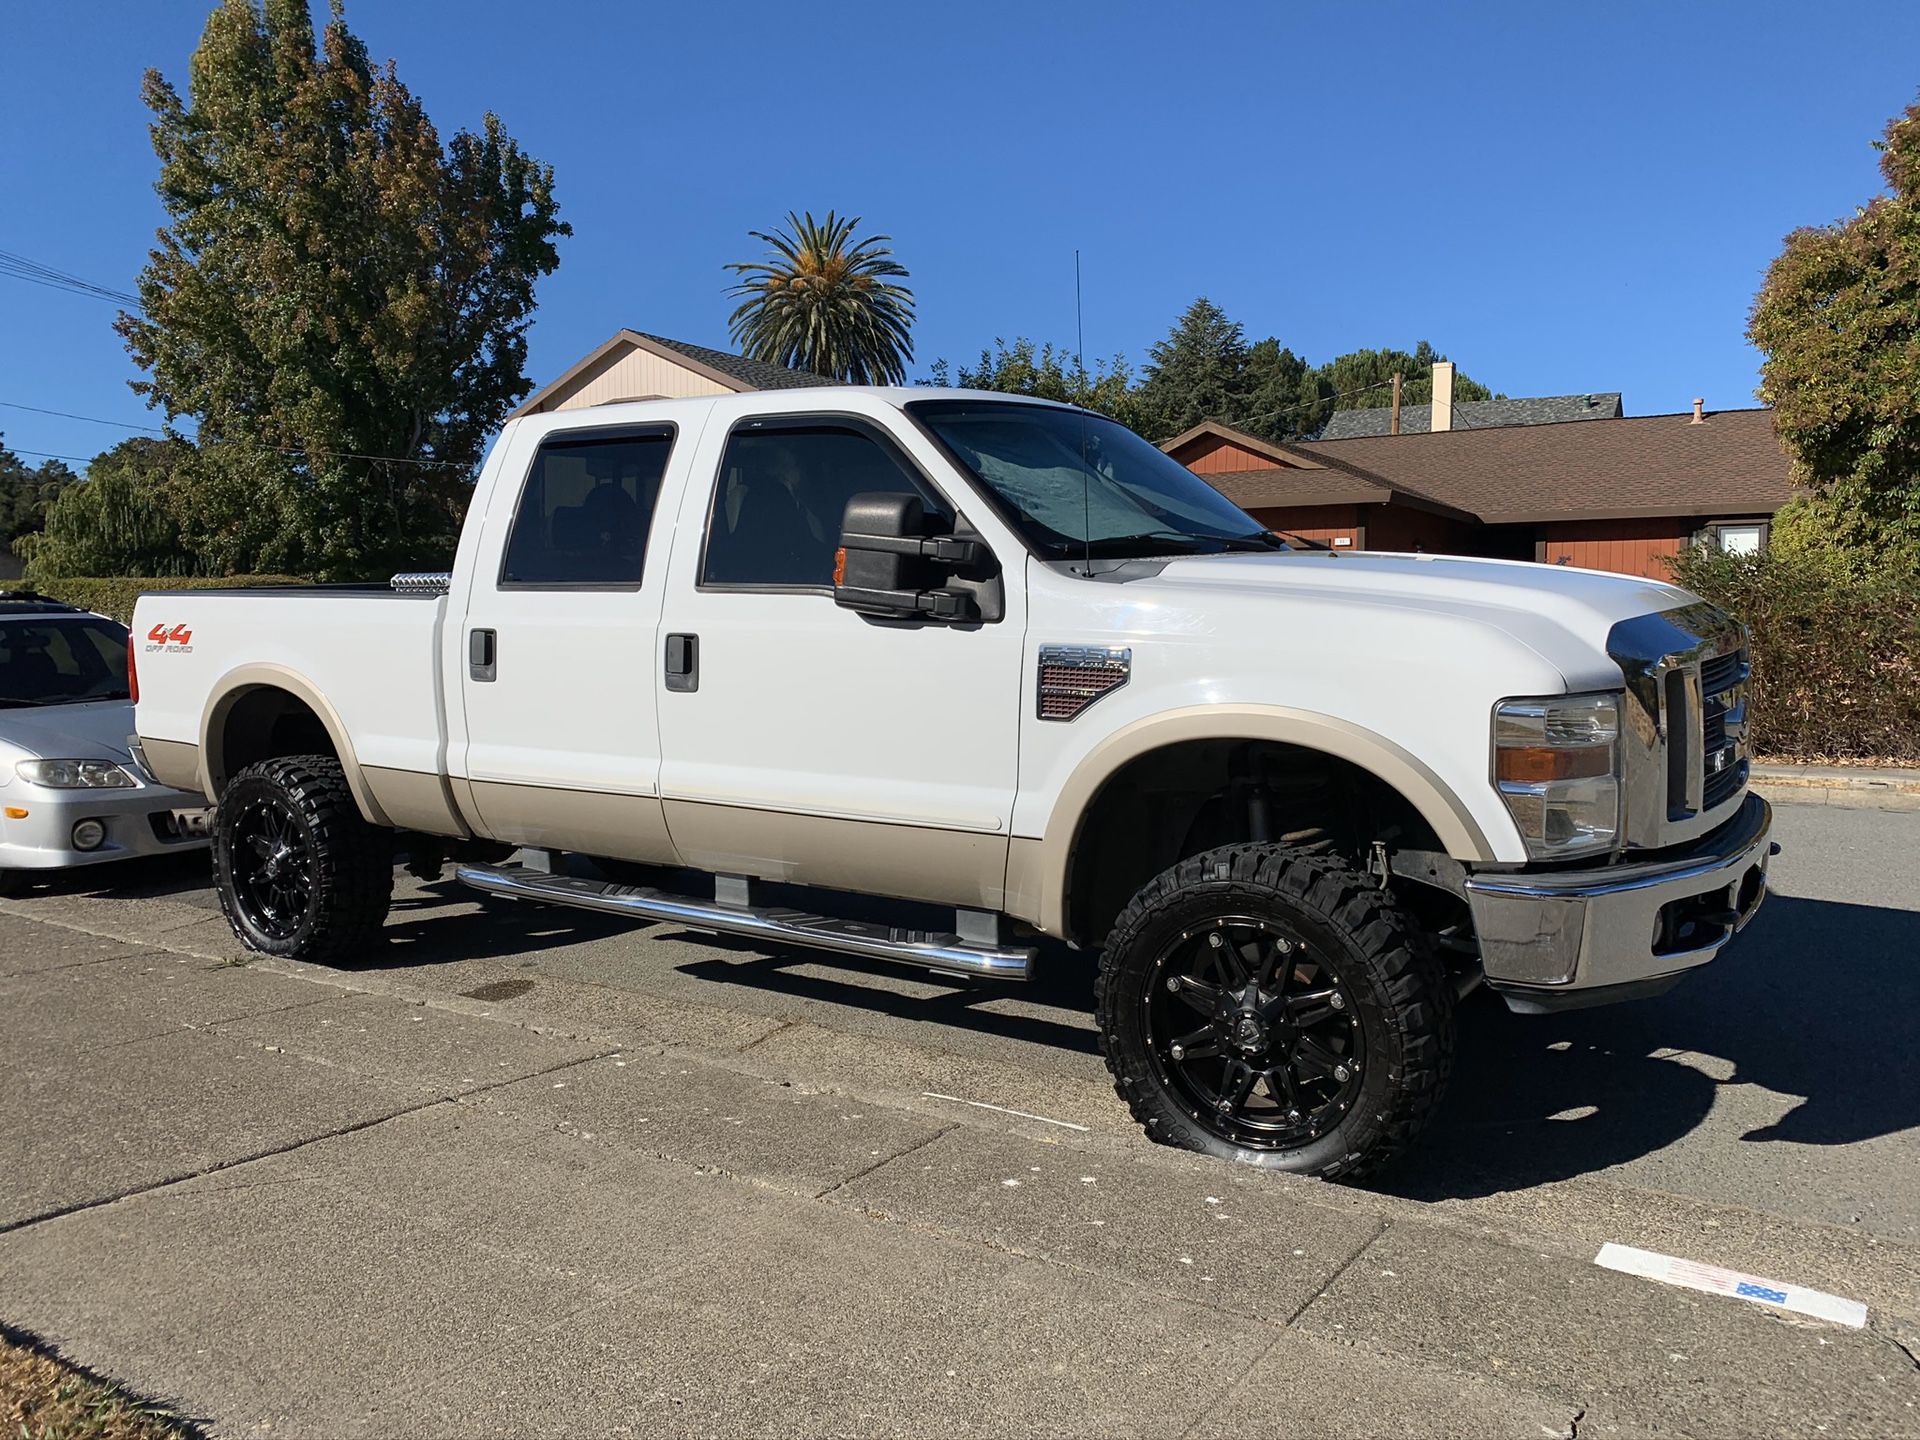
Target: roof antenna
[(1080, 384)]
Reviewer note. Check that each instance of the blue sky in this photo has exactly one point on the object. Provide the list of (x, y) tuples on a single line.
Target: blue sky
[(1564, 198)]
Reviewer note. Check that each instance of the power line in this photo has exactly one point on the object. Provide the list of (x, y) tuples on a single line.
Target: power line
[(90, 419), (256, 444), (1305, 404), (21, 267)]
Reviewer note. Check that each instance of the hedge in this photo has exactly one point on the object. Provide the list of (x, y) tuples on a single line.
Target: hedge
[(114, 594), (1836, 657)]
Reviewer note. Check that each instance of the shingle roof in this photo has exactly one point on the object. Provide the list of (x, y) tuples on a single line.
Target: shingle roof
[(1731, 464), (754, 374), (1474, 415)]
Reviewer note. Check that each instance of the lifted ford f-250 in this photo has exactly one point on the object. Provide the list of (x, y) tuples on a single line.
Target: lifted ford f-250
[(1007, 661)]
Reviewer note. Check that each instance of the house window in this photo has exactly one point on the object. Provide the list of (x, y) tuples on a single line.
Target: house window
[(1749, 538)]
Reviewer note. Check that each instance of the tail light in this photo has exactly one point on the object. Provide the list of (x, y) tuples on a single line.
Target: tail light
[(133, 672)]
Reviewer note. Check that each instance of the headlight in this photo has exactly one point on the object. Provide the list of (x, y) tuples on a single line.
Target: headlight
[(1556, 763), (74, 774)]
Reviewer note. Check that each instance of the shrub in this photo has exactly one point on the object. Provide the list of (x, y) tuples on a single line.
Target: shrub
[(1836, 651), (114, 594)]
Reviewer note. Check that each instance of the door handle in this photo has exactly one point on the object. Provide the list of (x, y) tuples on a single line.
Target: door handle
[(683, 662), (482, 656)]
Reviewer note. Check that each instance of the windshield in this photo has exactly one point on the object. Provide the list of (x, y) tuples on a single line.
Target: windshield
[(47, 661), (1074, 483)]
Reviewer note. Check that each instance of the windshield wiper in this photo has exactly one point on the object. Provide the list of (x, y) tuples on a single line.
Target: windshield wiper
[(1181, 541)]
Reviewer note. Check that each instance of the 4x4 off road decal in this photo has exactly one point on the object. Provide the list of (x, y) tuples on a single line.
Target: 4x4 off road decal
[(177, 640)]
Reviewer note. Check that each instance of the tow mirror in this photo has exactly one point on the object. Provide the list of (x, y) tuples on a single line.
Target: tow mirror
[(891, 561)]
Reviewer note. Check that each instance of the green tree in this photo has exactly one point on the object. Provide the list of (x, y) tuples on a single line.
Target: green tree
[(340, 299), (1197, 373), (826, 302), (1284, 397), (25, 493), (1362, 379), (121, 520), (1024, 368), (1838, 322)]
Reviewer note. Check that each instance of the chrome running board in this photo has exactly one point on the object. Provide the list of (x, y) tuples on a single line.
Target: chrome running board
[(944, 951)]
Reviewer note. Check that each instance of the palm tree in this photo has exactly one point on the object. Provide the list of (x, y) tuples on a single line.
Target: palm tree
[(823, 301)]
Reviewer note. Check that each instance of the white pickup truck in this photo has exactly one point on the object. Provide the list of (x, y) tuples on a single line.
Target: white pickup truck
[(741, 662)]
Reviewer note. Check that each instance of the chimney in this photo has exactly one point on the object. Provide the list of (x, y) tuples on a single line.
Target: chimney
[(1442, 395), (1698, 417)]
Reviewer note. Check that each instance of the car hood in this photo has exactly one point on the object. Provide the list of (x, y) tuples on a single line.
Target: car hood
[(96, 730), (1561, 613)]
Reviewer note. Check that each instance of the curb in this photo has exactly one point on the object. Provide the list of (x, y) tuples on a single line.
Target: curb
[(1864, 788)]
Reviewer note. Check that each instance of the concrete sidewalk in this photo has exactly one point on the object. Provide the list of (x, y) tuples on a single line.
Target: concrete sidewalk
[(294, 1205), (1853, 787)]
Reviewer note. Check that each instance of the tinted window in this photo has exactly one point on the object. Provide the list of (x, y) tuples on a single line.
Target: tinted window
[(781, 495), (586, 510), (58, 662)]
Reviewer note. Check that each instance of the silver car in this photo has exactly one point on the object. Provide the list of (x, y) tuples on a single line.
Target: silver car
[(71, 791)]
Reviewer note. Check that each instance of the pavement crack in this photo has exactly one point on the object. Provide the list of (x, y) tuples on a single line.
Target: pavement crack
[(1345, 1265), (1896, 1343), (867, 1170), (268, 1153), (762, 1039)]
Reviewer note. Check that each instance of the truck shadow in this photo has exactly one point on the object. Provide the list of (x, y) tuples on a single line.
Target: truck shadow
[(1814, 1002), (1062, 981)]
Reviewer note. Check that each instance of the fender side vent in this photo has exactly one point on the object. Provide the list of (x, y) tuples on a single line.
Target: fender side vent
[(1072, 677)]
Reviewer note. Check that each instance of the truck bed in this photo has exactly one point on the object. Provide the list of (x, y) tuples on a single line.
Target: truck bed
[(373, 652)]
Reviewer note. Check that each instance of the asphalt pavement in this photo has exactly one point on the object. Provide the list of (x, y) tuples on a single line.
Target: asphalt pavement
[(535, 1171)]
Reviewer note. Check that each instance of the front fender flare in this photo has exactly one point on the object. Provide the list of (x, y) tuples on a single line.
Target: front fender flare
[(1038, 870)]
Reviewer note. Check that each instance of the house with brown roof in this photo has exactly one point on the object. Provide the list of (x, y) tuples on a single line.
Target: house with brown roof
[(1623, 494), (633, 365)]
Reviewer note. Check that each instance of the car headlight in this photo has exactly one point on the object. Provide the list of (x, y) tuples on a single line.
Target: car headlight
[(74, 774), (1556, 763)]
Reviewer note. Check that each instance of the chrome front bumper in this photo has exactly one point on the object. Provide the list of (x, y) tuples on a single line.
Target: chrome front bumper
[(1568, 938)]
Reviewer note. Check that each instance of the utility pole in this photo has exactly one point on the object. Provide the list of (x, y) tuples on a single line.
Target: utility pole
[(1394, 427)]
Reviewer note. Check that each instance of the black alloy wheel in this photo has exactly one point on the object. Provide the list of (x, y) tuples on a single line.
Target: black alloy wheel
[(1275, 1007), (300, 872), (1255, 1032), (272, 860)]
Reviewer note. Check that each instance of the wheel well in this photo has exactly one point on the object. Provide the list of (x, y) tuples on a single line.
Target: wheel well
[(1182, 799), (263, 723)]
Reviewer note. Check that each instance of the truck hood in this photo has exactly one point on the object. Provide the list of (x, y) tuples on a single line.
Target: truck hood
[(96, 730), (1563, 614)]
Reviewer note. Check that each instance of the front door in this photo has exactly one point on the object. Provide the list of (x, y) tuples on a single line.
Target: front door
[(806, 742), (556, 659)]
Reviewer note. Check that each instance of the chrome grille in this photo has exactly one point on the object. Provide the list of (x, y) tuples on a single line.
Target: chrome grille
[(1684, 727), (1723, 750)]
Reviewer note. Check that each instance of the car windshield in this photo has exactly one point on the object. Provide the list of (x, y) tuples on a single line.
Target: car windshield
[(1078, 484), (61, 661)]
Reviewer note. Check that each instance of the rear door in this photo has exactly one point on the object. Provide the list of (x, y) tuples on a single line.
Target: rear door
[(805, 741), (556, 659)]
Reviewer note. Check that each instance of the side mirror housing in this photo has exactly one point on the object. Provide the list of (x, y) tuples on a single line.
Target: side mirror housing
[(892, 563)]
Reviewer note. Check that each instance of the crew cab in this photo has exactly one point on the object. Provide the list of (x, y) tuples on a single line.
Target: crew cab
[(744, 662)]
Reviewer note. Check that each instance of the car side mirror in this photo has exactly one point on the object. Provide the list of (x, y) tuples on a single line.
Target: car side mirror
[(892, 562)]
